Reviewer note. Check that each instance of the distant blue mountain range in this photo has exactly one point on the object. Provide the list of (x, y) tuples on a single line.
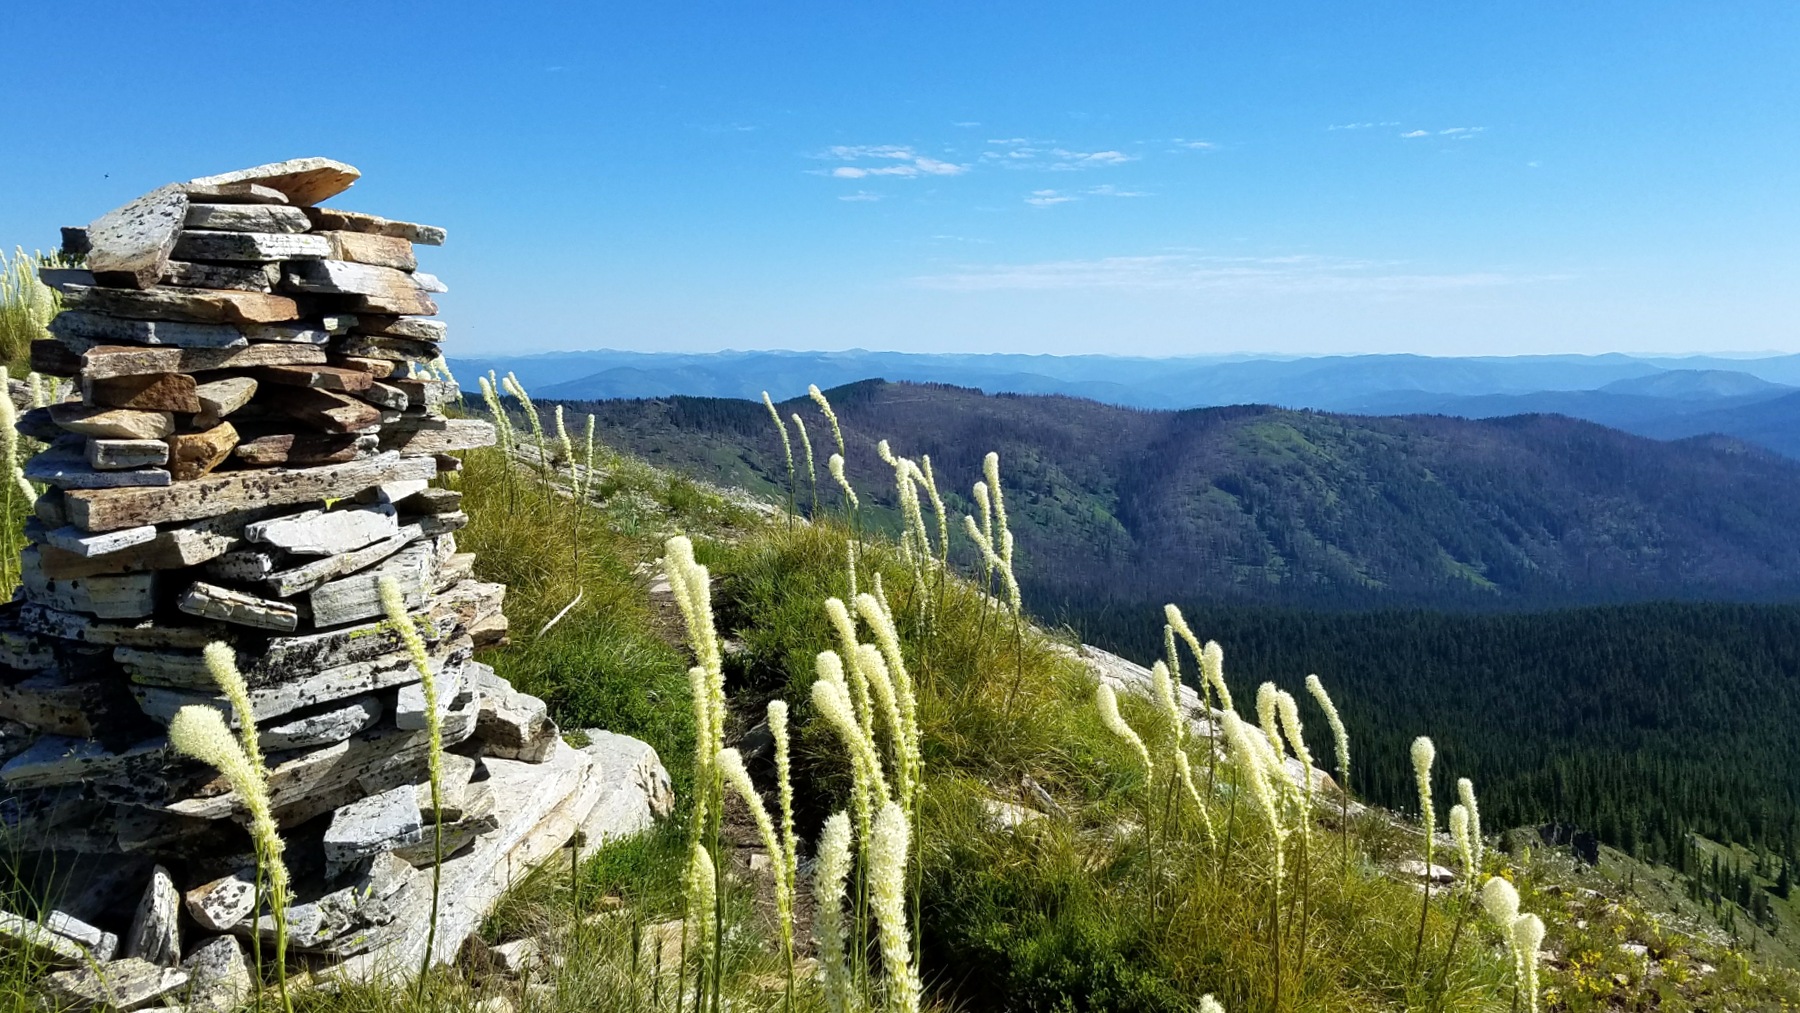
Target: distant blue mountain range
[(1754, 399)]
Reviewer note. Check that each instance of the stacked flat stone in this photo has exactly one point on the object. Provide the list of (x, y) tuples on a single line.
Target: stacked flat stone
[(245, 454)]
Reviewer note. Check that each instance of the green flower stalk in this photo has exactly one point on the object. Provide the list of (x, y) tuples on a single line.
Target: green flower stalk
[(787, 447), (830, 879), (201, 733), (1185, 768), (394, 604), (731, 768), (812, 472), (1423, 753), (888, 851), (1528, 935)]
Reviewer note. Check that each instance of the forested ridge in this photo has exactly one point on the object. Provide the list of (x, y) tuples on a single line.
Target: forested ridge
[(1637, 722)]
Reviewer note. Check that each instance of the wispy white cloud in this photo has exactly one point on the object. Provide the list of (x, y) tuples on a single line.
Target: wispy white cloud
[(889, 160), (860, 195), (1248, 276), (966, 124), (1025, 153), (1108, 190), (1417, 133), (1458, 133), (1048, 198), (1365, 125)]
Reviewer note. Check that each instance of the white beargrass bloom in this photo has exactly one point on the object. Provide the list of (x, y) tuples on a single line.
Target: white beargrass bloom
[(1185, 768), (1250, 751), (1289, 712), (1164, 683), (812, 471), (1339, 737), (830, 876), (830, 667), (882, 689), (1210, 657), (937, 508), (818, 396), (1501, 902), (1423, 754), (1267, 704), (502, 421), (787, 446), (565, 447), (845, 628), (888, 850), (1210, 1005), (1465, 791), (221, 664), (835, 465), (1459, 832), (9, 448), (1527, 936), (833, 705), (880, 620), (517, 390), (700, 689), (778, 730), (1115, 723)]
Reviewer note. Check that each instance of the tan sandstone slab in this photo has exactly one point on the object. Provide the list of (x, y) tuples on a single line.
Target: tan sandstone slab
[(304, 181), (107, 509)]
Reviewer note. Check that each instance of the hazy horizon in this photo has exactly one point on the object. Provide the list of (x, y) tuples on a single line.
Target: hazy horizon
[(1303, 177)]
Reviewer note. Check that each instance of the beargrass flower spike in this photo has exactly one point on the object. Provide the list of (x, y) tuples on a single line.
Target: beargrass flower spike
[(1108, 702), (818, 396), (787, 445), (1164, 683), (888, 850), (1459, 833), (731, 768), (830, 877), (1340, 739), (1500, 899), (1423, 754), (1465, 792), (778, 730), (1528, 935), (812, 471), (835, 465), (394, 605)]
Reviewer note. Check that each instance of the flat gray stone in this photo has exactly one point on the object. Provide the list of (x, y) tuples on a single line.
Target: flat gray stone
[(218, 975), (334, 725), (244, 564), (121, 985), (254, 246), (72, 539), (126, 596), (325, 532), (512, 725), (409, 711), (293, 334), (356, 597), (286, 583), (371, 826), (36, 943), (131, 245), (302, 690), (155, 933), (635, 790), (101, 946), (223, 902), (246, 218), (66, 469), (249, 277), (113, 455), (210, 601), (80, 329)]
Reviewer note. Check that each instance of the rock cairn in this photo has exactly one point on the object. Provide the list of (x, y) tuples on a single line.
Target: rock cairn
[(243, 454)]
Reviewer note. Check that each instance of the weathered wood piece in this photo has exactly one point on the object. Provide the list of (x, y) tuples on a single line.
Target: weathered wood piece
[(210, 601), (450, 434), (129, 596), (219, 398), (256, 246), (307, 448), (131, 245), (105, 510), (112, 423), (110, 454), (287, 583), (324, 409), (246, 218), (185, 305), (413, 569), (322, 377), (249, 277), (153, 392), (364, 346), (368, 248), (80, 331), (324, 532), (305, 181), (334, 219), (66, 468), (123, 360), (192, 455)]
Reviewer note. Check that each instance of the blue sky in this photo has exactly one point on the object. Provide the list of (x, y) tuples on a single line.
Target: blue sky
[(1187, 178)]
